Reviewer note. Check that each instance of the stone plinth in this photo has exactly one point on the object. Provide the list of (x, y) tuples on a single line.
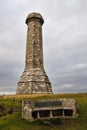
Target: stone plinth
[(34, 78)]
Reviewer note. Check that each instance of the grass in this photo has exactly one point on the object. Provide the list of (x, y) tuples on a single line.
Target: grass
[(15, 122)]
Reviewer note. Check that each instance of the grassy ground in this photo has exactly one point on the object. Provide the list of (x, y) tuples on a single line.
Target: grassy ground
[(15, 122)]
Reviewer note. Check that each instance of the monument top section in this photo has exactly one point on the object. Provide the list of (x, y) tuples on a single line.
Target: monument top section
[(34, 16)]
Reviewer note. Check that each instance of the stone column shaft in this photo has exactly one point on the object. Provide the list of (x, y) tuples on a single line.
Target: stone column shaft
[(34, 50)]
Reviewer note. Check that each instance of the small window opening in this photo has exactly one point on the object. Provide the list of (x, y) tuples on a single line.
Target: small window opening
[(34, 114), (44, 113), (58, 112), (68, 112)]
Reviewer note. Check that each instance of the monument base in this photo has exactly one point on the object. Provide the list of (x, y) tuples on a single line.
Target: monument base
[(34, 81)]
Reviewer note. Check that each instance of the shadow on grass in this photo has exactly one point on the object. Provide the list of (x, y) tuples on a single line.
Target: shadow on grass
[(50, 122)]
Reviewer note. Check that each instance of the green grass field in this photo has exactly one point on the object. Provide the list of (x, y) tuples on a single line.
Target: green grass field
[(15, 122)]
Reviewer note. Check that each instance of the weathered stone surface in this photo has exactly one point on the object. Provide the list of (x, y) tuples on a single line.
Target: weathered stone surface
[(34, 78), (41, 109)]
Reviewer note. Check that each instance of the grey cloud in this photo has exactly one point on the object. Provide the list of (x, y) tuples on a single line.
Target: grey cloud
[(64, 41)]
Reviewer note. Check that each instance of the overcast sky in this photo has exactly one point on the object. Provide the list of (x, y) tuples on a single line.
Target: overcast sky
[(64, 42)]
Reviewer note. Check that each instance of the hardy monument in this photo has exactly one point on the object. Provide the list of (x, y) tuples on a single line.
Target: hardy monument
[(34, 78)]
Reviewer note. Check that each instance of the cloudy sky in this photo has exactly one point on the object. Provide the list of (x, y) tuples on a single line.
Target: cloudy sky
[(64, 42)]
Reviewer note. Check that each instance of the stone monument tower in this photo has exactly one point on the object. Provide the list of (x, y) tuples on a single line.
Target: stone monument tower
[(34, 78)]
